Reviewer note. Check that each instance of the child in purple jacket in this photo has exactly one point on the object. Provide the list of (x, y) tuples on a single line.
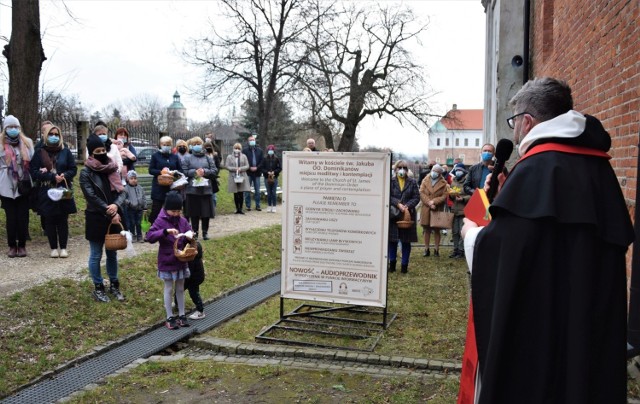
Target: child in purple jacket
[(167, 225)]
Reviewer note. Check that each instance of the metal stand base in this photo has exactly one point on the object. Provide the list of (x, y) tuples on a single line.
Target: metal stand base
[(353, 328)]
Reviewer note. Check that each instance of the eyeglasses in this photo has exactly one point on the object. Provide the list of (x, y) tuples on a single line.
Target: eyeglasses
[(512, 120), (54, 133), (399, 167)]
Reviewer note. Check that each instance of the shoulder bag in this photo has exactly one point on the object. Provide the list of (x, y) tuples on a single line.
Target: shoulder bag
[(441, 219)]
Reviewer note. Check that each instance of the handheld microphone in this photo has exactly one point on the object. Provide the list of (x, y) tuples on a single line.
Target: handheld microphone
[(503, 152)]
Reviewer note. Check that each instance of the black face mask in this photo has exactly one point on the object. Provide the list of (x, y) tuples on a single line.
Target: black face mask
[(103, 158), (182, 150)]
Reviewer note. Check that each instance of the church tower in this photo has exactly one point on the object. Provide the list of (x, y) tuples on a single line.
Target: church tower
[(176, 116)]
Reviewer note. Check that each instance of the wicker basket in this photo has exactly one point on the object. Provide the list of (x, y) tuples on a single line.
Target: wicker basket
[(165, 180), (188, 253), (115, 241), (406, 221)]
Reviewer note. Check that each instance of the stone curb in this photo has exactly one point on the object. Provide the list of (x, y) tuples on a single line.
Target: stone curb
[(230, 347)]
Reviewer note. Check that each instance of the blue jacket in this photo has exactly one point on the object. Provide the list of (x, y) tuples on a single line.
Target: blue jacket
[(249, 151), (157, 163), (65, 164)]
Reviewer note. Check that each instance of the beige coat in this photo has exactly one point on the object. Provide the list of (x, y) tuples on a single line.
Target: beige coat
[(438, 193), (232, 166)]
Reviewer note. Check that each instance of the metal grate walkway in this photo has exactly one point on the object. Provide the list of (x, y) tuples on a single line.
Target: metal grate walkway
[(94, 369)]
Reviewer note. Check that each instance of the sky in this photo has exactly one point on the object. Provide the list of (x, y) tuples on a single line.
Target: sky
[(114, 50)]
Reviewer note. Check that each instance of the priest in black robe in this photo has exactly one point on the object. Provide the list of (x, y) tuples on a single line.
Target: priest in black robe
[(548, 276)]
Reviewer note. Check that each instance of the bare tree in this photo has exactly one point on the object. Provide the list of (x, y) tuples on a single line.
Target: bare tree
[(57, 105), (250, 60), (357, 64), (149, 109), (25, 56)]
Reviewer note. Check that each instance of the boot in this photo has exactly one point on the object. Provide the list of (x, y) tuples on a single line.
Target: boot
[(22, 252), (455, 254), (404, 268), (114, 289), (99, 294), (392, 266), (426, 252), (436, 253)]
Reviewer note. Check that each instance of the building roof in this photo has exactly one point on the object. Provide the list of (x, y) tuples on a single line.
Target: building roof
[(176, 102), (463, 119)]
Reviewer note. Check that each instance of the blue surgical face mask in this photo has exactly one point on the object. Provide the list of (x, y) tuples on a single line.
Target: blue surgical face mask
[(197, 148), (270, 152), (165, 149), (486, 156), (103, 138), (434, 174), (252, 142), (13, 132), (53, 139)]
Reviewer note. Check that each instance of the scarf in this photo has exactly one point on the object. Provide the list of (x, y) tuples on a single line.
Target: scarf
[(110, 169), (17, 166), (49, 160)]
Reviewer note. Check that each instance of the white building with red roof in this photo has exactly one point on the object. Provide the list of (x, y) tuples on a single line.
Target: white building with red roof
[(457, 135)]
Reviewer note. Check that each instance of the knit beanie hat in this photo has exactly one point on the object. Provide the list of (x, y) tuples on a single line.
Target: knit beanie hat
[(437, 168), (132, 174), (10, 120), (93, 142), (173, 201)]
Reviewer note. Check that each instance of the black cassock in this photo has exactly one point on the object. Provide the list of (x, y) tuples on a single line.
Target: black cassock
[(549, 282)]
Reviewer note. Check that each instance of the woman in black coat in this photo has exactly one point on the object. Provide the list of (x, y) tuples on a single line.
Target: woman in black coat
[(164, 158), (54, 166), (405, 194), (103, 190), (271, 168)]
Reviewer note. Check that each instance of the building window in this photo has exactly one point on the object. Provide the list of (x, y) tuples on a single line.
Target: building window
[(457, 142), (446, 142), (466, 143), (477, 142), (438, 142)]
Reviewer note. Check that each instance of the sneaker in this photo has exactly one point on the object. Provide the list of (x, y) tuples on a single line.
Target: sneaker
[(54, 253), (273, 209), (197, 315), (64, 253), (182, 321), (248, 209), (171, 323), (100, 296), (115, 291), (258, 209)]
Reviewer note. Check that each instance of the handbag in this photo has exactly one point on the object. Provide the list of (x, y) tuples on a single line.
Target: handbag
[(441, 219), (145, 224), (395, 214), (271, 179)]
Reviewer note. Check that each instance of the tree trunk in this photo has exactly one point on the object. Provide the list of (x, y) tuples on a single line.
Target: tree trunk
[(25, 55), (348, 137)]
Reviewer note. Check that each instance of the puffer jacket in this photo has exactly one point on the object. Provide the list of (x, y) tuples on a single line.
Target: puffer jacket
[(167, 260)]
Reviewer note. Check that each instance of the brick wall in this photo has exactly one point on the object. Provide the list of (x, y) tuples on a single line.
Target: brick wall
[(595, 47)]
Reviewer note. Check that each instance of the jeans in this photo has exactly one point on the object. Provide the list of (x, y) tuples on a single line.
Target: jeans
[(458, 243), (406, 251), (256, 192), (215, 199), (95, 255), (272, 197), (17, 216), (134, 220)]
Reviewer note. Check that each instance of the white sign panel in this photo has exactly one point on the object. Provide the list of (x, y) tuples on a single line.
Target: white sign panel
[(335, 227)]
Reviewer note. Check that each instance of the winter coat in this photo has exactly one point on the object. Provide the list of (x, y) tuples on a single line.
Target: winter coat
[(65, 164), (8, 186), (191, 163), (270, 163), (157, 163), (472, 180), (249, 152), (409, 196), (436, 192), (98, 194), (232, 165), (167, 260), (136, 198), (458, 206)]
